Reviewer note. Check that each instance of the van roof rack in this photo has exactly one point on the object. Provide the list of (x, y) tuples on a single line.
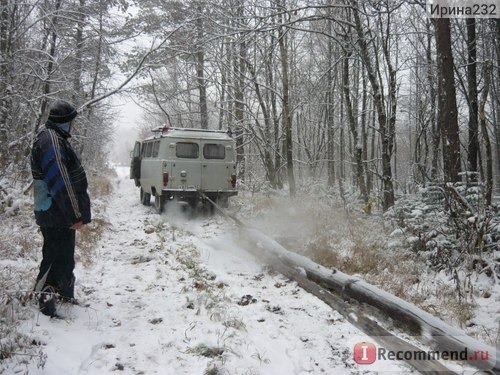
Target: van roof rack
[(165, 129)]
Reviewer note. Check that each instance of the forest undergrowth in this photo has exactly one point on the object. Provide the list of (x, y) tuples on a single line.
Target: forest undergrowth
[(20, 255), (442, 260)]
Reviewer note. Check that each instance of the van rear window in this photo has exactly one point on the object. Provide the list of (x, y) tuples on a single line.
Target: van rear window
[(149, 149), (156, 148), (214, 151), (186, 150)]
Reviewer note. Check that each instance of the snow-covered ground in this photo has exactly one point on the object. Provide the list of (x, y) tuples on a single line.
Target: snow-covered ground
[(177, 294)]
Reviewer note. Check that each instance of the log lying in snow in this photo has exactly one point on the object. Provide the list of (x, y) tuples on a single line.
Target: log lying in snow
[(439, 335), (362, 322)]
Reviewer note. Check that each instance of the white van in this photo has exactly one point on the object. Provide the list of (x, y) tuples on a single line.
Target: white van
[(179, 163)]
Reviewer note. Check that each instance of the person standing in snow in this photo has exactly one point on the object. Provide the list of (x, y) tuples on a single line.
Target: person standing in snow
[(62, 205)]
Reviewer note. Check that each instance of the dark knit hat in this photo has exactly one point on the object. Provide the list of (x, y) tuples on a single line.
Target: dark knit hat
[(61, 112)]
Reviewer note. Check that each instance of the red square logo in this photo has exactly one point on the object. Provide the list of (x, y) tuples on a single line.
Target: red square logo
[(365, 353)]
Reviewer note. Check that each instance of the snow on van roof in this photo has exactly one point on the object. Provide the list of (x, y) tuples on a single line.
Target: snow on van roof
[(191, 133)]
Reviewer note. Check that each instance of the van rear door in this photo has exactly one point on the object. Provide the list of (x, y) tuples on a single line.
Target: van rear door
[(216, 166), (186, 169)]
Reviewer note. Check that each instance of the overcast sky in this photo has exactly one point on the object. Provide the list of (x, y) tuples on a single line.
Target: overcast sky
[(128, 116)]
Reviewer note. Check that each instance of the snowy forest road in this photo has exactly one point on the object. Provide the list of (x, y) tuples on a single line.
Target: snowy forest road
[(170, 294)]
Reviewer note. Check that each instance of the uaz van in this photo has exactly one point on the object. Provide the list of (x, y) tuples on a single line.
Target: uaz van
[(179, 163)]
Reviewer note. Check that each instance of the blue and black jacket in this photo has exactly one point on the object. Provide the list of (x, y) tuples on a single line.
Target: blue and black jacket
[(59, 180)]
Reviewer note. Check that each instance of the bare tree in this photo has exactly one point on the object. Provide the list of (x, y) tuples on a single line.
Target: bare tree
[(473, 148), (386, 125), (447, 113), (287, 117), (353, 124), (200, 66), (485, 134)]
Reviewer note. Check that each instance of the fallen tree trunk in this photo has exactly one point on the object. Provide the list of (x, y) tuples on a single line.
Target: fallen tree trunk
[(358, 320), (430, 330)]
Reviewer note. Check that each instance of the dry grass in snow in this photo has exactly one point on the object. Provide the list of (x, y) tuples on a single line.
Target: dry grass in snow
[(361, 244)]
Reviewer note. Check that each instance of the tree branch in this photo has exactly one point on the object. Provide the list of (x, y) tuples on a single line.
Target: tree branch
[(136, 71)]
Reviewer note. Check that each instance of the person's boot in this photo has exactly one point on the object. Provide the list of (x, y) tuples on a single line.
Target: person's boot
[(67, 293), (47, 302), (72, 301)]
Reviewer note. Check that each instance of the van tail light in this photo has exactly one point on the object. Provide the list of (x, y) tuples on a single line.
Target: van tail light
[(233, 180), (165, 178)]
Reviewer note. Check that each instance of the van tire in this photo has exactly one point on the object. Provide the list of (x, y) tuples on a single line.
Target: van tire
[(145, 198), (159, 203), (193, 203)]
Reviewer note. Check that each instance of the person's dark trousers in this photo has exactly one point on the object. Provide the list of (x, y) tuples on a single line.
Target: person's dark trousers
[(59, 255)]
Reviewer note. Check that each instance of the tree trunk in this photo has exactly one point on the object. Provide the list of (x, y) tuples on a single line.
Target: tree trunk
[(473, 148), (373, 143), (265, 135), (435, 128), (222, 105), (385, 127), (486, 137), (496, 102), (443, 336), (5, 105), (341, 167), (287, 118), (276, 122), (77, 79), (330, 111), (50, 65), (273, 104), (357, 147), (200, 69), (77, 95), (364, 133), (239, 66), (447, 102)]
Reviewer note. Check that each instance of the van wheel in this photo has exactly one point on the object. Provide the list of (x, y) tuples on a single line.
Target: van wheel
[(192, 203), (145, 198), (159, 203)]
